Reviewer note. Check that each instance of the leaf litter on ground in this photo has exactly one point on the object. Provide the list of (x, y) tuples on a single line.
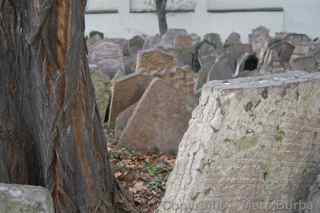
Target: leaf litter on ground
[(143, 175)]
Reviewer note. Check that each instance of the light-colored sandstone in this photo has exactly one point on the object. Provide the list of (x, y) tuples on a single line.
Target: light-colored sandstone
[(25, 199), (251, 142)]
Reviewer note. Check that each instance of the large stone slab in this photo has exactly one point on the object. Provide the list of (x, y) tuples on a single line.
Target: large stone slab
[(154, 61), (106, 57), (159, 120), (126, 92), (252, 143), (25, 199)]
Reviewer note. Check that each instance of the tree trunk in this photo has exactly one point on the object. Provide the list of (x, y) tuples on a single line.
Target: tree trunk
[(162, 17), (50, 129)]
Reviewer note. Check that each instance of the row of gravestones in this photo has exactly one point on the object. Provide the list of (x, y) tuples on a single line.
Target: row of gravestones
[(153, 97), (185, 63)]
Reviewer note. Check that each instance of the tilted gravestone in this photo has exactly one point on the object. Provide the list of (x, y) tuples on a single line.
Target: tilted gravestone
[(252, 144), (159, 120), (125, 92)]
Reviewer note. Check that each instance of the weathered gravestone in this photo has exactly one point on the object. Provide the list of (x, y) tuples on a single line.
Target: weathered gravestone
[(159, 120), (306, 63), (233, 39), (94, 37), (313, 204), (106, 57), (207, 55), (184, 56), (226, 64), (135, 44), (252, 143), (125, 92), (151, 42), (259, 39), (310, 63), (169, 38), (122, 119), (277, 57), (224, 68), (25, 199), (123, 43), (301, 42), (154, 61), (297, 38), (102, 86), (183, 41), (196, 39), (214, 39), (182, 79)]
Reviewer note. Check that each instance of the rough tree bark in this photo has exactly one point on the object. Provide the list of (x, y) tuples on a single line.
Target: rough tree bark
[(50, 129), (162, 16)]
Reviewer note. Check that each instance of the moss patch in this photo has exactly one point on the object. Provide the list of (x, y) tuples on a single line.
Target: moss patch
[(280, 134), (247, 142)]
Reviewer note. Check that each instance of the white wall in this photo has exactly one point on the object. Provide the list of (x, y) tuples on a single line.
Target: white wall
[(298, 16)]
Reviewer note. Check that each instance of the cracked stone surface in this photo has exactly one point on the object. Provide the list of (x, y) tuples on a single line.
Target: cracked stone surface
[(252, 143), (26, 199)]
